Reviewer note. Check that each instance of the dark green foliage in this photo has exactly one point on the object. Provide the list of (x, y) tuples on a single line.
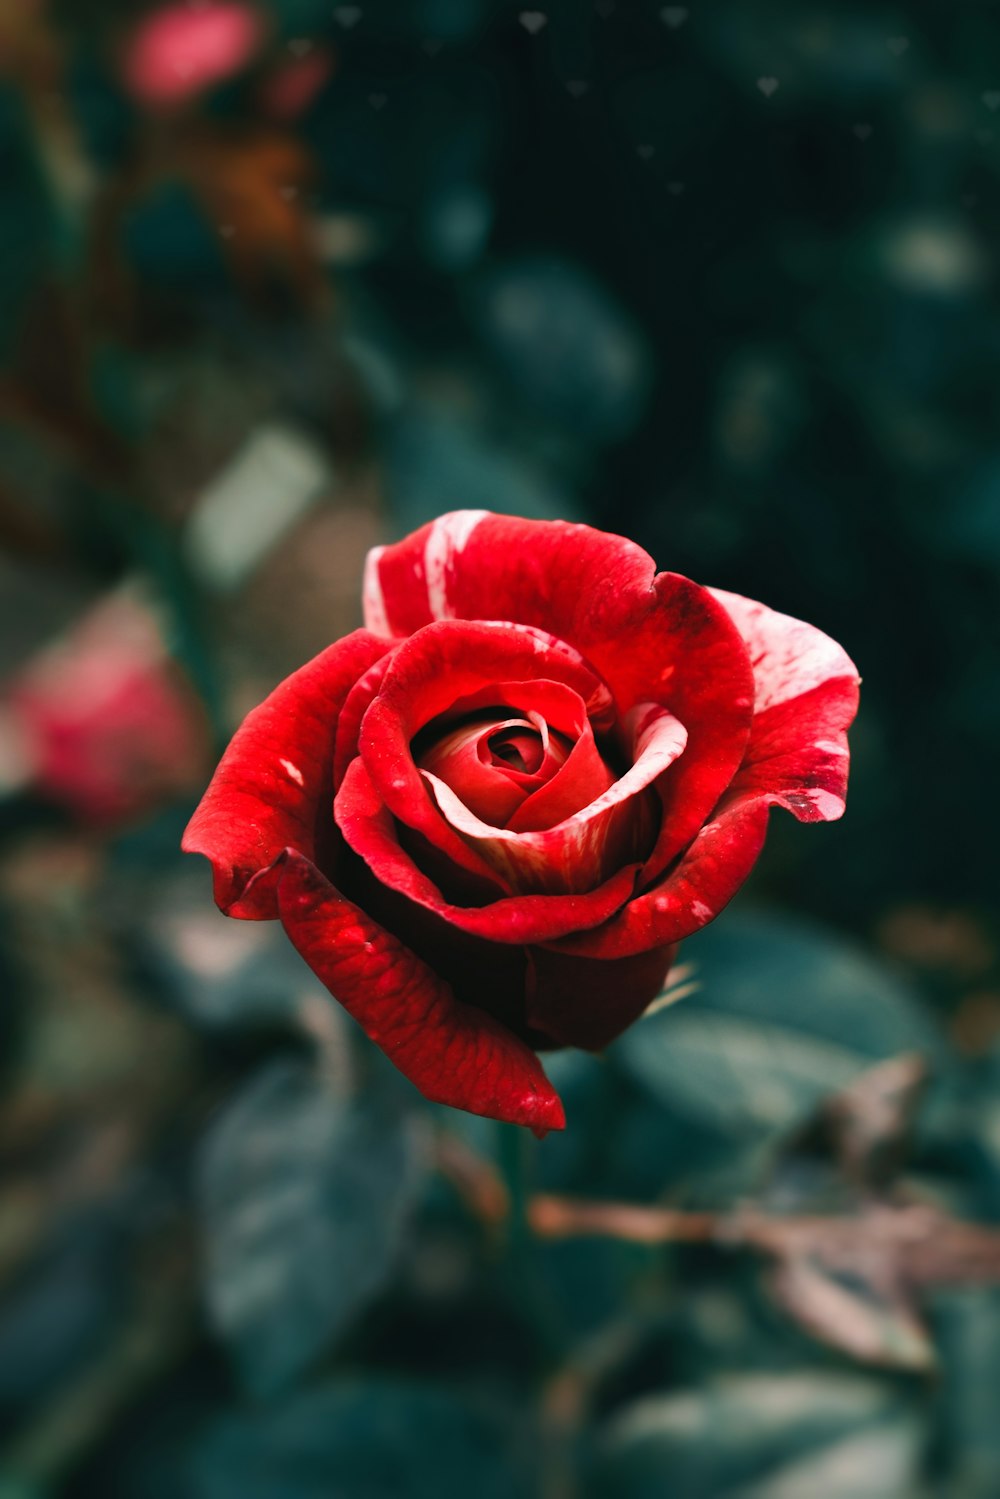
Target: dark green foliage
[(719, 277), (305, 1194)]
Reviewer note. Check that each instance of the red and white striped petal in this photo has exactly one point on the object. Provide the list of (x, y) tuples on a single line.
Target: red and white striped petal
[(273, 786), (454, 1053), (652, 638), (796, 758), (806, 698), (789, 657)]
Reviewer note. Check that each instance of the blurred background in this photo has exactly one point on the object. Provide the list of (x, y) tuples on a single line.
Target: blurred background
[(282, 280)]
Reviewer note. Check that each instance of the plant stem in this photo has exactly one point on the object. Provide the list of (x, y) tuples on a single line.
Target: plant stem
[(513, 1153)]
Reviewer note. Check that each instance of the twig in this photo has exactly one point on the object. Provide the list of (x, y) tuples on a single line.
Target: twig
[(928, 1247)]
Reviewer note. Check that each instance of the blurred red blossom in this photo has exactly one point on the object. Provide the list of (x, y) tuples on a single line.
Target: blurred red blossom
[(179, 51), (100, 722)]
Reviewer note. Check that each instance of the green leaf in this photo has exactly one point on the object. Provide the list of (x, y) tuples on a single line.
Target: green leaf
[(360, 1439), (967, 1326), (882, 1461), (305, 1197), (784, 1015), (435, 464), (736, 1430)]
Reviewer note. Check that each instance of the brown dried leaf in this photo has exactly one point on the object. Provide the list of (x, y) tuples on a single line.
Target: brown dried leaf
[(251, 185), (870, 1319)]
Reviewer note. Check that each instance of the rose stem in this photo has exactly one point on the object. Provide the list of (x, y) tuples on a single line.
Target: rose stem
[(514, 1144), (516, 1158)]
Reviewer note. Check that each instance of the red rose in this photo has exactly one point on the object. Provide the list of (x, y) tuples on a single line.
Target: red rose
[(486, 819), (179, 51), (100, 721)]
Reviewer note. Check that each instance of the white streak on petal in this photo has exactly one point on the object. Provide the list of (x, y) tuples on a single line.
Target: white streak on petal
[(789, 657), (446, 541), (827, 804), (292, 771), (373, 600)]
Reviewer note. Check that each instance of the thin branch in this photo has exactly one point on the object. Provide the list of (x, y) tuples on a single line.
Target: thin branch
[(926, 1247)]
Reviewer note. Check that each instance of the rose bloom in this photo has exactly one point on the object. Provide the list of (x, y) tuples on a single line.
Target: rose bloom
[(179, 51), (486, 819), (101, 722)]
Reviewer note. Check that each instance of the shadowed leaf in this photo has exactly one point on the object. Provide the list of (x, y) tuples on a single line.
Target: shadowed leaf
[(305, 1195)]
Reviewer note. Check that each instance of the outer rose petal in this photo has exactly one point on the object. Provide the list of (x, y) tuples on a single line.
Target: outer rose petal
[(587, 1003), (454, 1053), (272, 789), (658, 638), (789, 657), (797, 758), (806, 699)]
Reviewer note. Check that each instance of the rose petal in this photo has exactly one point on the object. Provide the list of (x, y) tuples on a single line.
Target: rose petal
[(702, 882), (370, 831), (454, 1053), (806, 699), (586, 1002), (653, 638), (577, 854), (797, 758), (577, 583), (581, 780), (522, 747), (273, 786), (440, 664), (789, 657), (487, 783)]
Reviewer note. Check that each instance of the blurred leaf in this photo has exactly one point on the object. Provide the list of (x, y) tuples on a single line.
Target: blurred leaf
[(883, 1462), (360, 1439), (967, 1325), (434, 464), (168, 242), (216, 972), (860, 1315), (566, 345), (735, 1430), (62, 1315), (785, 1015), (871, 1122), (251, 185), (305, 1195), (858, 1138)]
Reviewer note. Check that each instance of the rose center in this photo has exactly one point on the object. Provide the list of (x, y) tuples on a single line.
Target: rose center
[(520, 748), (493, 759)]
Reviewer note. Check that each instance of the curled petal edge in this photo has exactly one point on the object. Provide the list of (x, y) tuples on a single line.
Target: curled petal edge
[(455, 1054)]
